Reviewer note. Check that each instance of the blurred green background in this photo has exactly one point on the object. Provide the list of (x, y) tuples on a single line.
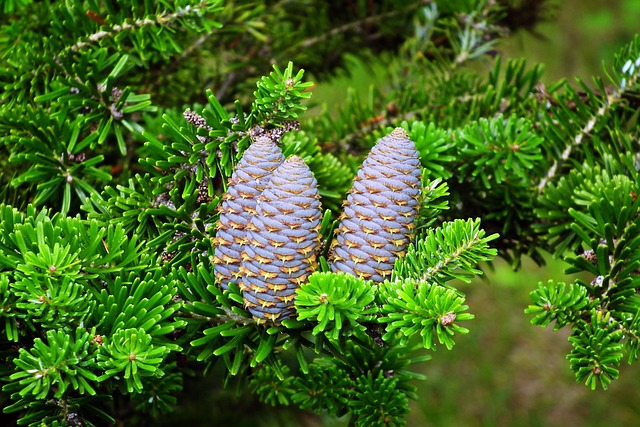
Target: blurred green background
[(505, 372), (578, 36)]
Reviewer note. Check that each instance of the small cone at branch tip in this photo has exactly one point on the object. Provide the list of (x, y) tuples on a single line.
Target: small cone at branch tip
[(278, 258), (248, 180), (377, 222)]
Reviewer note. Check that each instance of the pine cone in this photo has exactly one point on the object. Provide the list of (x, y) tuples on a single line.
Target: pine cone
[(283, 240), (238, 205), (377, 222)]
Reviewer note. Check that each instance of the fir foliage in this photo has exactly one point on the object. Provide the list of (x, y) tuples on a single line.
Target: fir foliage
[(121, 124), (336, 302)]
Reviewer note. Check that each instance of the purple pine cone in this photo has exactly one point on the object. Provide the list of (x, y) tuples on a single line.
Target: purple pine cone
[(378, 218), (283, 241), (238, 205)]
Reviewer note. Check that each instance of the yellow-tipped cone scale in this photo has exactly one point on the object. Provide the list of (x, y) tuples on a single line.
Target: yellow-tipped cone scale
[(238, 205), (283, 240), (378, 218)]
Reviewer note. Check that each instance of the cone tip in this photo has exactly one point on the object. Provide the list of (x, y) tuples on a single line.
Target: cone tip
[(399, 133), (261, 139)]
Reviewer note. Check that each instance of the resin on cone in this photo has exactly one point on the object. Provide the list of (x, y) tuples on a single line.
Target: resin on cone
[(238, 205), (283, 241), (378, 218)]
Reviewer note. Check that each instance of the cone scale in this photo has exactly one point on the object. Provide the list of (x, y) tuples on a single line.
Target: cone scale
[(283, 240), (238, 205), (377, 221)]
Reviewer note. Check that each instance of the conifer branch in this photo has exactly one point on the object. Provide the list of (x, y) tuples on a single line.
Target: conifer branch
[(355, 25), (159, 20), (630, 72)]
